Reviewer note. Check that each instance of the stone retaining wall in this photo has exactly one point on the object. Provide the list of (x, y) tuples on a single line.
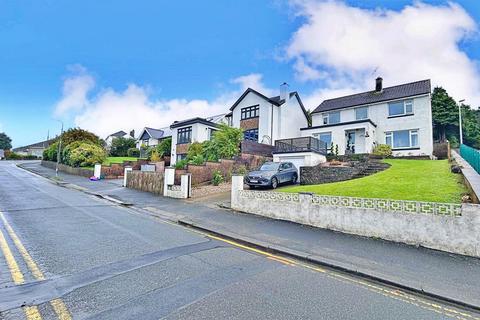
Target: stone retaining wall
[(84, 172), (204, 173), (146, 181), (449, 227)]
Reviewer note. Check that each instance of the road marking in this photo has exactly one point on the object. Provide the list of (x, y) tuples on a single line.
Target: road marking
[(390, 293), (57, 304), (32, 312)]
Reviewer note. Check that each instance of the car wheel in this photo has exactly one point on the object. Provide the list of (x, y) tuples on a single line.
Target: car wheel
[(274, 183), (251, 187), (294, 179)]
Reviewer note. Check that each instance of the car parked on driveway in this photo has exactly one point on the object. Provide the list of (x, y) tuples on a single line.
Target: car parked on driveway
[(271, 174)]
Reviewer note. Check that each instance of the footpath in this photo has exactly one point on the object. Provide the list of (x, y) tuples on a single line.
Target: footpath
[(439, 274)]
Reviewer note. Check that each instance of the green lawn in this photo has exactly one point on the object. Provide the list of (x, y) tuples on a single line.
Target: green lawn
[(111, 160), (421, 180)]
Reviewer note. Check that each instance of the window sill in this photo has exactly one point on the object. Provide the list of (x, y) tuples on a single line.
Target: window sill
[(402, 149), (401, 116), (250, 118)]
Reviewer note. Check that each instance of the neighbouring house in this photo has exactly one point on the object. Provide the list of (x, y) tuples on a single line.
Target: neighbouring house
[(150, 137), (266, 119), (2, 154), (35, 149), (118, 134), (399, 116), (192, 130)]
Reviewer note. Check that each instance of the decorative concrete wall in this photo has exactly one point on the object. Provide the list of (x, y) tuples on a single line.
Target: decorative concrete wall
[(67, 169), (449, 227), (146, 181)]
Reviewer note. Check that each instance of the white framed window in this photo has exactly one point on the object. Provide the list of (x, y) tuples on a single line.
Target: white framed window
[(402, 139), (325, 137), (400, 108), (361, 113), (331, 117)]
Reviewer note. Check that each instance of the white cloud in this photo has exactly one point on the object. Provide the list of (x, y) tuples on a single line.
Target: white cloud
[(75, 89), (254, 81), (352, 46), (111, 110)]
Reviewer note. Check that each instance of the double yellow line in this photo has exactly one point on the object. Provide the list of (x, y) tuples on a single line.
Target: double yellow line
[(31, 312)]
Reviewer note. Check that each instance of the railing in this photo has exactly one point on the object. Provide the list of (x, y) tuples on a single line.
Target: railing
[(303, 144), (471, 155)]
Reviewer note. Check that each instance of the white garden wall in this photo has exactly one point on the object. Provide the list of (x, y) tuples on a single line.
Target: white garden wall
[(449, 227)]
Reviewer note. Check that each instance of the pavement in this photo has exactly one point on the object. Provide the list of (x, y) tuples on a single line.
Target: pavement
[(449, 276)]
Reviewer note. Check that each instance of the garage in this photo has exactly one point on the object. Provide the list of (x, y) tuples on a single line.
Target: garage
[(300, 159)]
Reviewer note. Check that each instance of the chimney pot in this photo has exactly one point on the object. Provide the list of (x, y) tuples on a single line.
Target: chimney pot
[(284, 91), (378, 84)]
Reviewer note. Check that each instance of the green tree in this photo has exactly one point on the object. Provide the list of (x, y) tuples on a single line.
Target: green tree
[(444, 113), (225, 143), (5, 141), (77, 134), (164, 147), (120, 146)]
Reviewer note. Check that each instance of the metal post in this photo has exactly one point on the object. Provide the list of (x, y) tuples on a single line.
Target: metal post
[(59, 150), (460, 119)]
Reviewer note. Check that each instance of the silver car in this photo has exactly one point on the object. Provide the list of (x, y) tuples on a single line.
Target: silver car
[(272, 174)]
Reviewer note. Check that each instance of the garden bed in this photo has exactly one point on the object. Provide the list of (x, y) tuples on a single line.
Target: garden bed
[(419, 180)]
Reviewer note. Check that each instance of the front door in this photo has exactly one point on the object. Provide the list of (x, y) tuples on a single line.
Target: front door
[(350, 146)]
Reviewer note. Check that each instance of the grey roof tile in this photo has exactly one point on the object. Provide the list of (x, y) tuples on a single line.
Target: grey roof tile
[(389, 93)]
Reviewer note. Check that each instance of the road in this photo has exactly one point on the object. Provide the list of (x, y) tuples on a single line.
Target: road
[(68, 255)]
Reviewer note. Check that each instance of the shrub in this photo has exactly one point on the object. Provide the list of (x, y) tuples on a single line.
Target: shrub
[(67, 150), (225, 143), (50, 153), (181, 164), (164, 147), (77, 134), (120, 146), (154, 156), (383, 150), (197, 160), (86, 155), (195, 149), (133, 152), (242, 170), (217, 178)]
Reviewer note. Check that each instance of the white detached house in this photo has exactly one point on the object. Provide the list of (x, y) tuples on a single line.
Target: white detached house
[(266, 119), (400, 116)]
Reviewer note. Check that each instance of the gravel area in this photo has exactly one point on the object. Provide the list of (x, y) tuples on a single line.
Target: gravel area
[(210, 189)]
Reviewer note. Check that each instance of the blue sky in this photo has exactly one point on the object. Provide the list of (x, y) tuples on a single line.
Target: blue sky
[(186, 54)]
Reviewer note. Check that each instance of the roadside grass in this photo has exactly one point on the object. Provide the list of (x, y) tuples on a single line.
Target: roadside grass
[(419, 180), (108, 161)]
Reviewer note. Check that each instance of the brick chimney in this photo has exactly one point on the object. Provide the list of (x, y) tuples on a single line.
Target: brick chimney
[(378, 84)]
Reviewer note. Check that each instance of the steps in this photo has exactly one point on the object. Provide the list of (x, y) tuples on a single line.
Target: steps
[(373, 167)]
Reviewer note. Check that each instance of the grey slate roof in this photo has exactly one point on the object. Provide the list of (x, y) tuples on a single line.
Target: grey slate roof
[(41, 144), (120, 133), (209, 121), (159, 133), (390, 93)]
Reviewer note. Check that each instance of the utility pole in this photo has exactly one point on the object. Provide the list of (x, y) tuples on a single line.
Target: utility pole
[(460, 119), (59, 150)]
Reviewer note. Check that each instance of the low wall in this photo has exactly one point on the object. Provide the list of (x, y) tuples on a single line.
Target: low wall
[(449, 227), (84, 172), (204, 173), (146, 181), (116, 170)]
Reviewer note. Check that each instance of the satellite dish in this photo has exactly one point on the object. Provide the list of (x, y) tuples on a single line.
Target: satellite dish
[(266, 140)]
